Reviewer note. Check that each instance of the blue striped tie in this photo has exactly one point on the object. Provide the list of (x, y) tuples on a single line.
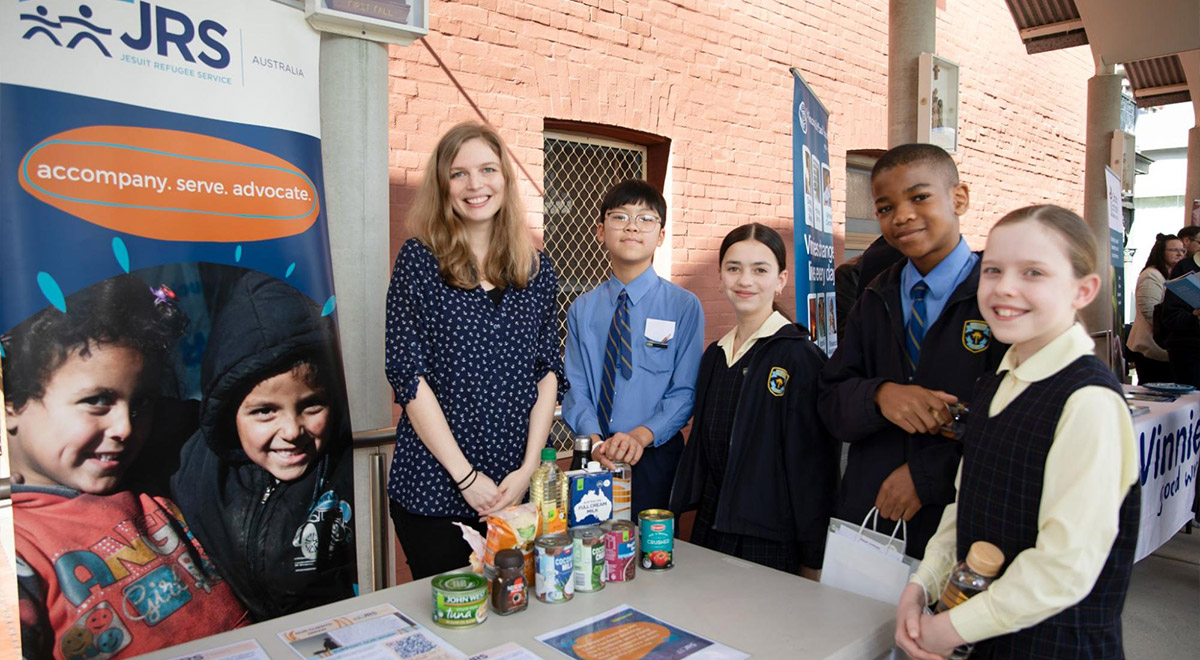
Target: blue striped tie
[(915, 330), (618, 354)]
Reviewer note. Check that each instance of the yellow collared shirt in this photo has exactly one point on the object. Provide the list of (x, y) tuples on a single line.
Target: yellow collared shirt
[(1089, 470), (769, 327)]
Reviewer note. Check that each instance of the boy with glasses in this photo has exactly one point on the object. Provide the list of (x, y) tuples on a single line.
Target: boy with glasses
[(633, 350)]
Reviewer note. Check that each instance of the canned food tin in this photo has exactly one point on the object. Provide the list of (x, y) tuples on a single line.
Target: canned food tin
[(588, 548), (658, 539), (459, 600), (620, 550), (554, 581)]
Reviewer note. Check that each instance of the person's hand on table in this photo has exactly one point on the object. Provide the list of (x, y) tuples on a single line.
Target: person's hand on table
[(627, 447), (897, 498), (914, 408)]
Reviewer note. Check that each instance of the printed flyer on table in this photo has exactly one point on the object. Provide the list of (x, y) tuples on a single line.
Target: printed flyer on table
[(624, 633)]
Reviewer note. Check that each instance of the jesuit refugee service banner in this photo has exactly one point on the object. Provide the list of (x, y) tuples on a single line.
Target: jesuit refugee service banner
[(172, 143), (812, 205)]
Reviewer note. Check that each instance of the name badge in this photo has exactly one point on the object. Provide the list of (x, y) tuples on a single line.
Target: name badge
[(659, 332)]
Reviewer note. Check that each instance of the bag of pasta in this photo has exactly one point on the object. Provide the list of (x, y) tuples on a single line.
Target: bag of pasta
[(513, 527)]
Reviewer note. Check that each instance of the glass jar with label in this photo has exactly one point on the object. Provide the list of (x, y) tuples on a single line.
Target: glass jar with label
[(510, 591)]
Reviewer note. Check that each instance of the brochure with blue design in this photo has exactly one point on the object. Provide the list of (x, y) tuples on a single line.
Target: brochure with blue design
[(1187, 287)]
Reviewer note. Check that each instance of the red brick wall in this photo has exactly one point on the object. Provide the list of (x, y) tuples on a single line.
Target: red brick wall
[(715, 80)]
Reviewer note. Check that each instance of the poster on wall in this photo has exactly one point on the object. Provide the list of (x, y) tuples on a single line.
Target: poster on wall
[(174, 393), (812, 204), (1116, 263)]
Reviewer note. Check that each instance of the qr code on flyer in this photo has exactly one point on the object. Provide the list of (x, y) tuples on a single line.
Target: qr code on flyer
[(411, 647)]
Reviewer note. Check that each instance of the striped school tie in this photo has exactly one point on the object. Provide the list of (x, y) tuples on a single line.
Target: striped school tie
[(618, 354), (914, 332)]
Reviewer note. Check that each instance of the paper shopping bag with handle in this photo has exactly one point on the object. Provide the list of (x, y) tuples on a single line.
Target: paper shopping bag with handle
[(866, 562)]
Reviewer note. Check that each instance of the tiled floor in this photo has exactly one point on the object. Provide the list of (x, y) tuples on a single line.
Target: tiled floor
[(1162, 611)]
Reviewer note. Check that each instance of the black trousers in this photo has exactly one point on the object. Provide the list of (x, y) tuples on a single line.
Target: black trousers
[(1150, 370), (1185, 365), (654, 475), (432, 545)]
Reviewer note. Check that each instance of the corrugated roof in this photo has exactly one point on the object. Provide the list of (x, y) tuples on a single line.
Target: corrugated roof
[(1047, 25), (1039, 13), (1157, 81)]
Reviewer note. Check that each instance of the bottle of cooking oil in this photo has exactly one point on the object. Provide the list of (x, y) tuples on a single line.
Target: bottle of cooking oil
[(968, 578), (548, 492)]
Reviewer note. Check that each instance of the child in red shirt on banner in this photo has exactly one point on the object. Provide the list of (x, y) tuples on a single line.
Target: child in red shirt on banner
[(101, 572)]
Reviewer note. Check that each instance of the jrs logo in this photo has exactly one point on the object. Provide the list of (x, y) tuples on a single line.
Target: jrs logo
[(164, 31)]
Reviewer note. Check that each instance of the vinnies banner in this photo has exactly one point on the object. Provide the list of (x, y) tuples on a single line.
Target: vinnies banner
[(812, 203), (174, 394)]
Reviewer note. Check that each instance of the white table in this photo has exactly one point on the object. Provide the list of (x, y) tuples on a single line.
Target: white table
[(1168, 444), (763, 612)]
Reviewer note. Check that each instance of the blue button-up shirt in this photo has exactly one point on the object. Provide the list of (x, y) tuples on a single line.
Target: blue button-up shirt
[(942, 280), (660, 393)]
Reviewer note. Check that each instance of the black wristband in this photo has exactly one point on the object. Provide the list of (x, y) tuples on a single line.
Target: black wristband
[(459, 483), (474, 476)]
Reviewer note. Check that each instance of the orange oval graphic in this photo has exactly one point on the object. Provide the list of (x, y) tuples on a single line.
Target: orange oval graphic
[(628, 641), (170, 185)]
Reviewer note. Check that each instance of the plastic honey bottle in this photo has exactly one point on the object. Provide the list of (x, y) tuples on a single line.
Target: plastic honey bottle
[(548, 492), (968, 578)]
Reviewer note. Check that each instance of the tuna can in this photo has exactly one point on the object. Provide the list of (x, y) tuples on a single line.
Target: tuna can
[(588, 548), (658, 539), (459, 600), (620, 550), (555, 571)]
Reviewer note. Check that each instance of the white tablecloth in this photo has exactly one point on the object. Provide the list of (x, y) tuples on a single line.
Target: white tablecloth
[(1168, 439)]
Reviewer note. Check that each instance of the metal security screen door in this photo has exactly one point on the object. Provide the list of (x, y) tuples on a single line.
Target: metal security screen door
[(578, 171)]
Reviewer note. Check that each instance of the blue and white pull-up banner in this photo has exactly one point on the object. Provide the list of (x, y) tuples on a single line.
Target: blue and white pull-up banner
[(156, 157), (812, 205)]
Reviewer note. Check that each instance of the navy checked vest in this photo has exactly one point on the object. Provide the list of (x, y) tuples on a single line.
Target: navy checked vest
[(1004, 458)]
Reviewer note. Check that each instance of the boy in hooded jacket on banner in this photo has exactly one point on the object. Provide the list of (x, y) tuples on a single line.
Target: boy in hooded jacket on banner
[(267, 481)]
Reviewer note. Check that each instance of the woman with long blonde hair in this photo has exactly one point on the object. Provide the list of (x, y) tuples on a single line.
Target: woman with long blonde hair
[(472, 350)]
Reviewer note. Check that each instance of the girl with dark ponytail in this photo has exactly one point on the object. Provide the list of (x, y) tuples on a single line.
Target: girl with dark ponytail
[(755, 433)]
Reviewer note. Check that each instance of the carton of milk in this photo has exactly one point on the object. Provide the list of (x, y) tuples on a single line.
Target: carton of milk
[(590, 496)]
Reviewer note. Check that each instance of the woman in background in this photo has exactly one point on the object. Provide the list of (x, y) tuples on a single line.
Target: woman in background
[(1150, 358)]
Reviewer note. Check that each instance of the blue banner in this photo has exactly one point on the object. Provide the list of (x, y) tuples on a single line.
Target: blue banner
[(174, 393), (812, 205)]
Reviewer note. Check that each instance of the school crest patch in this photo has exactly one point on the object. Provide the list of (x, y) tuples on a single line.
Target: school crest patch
[(977, 336), (777, 381)]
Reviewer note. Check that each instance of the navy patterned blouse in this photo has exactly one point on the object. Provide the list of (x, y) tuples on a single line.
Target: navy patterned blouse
[(482, 360)]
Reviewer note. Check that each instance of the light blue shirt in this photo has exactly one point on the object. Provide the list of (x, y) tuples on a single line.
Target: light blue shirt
[(942, 281), (660, 393)]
